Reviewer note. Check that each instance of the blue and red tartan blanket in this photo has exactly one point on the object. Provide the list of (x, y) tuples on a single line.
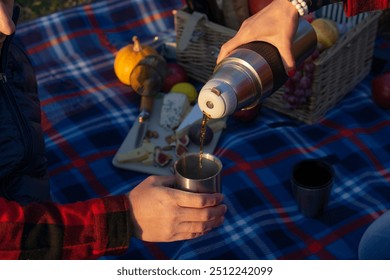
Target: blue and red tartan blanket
[(87, 113)]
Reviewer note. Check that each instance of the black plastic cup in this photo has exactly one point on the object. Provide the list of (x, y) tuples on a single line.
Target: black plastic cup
[(312, 181)]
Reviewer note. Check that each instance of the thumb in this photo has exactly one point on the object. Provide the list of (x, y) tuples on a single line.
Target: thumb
[(226, 48), (222, 54)]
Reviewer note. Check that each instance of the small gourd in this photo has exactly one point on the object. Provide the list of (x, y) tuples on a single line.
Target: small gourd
[(128, 57)]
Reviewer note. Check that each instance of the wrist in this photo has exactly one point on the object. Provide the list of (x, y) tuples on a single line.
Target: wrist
[(286, 8)]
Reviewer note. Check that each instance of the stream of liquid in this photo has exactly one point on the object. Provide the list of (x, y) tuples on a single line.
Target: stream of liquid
[(205, 119)]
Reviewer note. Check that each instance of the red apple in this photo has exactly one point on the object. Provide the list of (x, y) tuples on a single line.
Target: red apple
[(380, 87), (248, 115), (176, 74), (257, 5)]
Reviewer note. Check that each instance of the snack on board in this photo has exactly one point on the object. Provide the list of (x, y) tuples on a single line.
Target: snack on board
[(139, 154), (174, 108)]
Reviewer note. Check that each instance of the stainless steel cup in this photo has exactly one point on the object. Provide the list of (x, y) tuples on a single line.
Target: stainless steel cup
[(193, 178), (312, 181)]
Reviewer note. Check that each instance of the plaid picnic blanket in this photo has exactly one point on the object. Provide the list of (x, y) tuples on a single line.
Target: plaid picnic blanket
[(87, 113)]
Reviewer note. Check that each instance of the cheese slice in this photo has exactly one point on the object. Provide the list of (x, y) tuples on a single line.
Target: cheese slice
[(148, 146), (136, 155), (174, 108), (139, 154), (149, 160)]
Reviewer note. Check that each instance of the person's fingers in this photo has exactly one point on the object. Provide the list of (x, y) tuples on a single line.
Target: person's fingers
[(200, 227), (284, 50), (196, 200), (202, 215), (285, 53), (239, 39), (225, 50), (185, 236)]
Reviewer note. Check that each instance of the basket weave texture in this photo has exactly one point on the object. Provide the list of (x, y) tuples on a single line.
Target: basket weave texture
[(337, 70)]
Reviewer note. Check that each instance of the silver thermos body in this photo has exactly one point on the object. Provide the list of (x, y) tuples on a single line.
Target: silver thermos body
[(251, 73)]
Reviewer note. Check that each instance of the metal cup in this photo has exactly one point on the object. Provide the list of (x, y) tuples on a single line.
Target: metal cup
[(192, 177), (312, 181)]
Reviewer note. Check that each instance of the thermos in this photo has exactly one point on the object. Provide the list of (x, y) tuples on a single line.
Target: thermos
[(251, 73)]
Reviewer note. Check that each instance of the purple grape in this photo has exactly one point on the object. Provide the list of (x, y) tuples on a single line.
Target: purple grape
[(304, 83), (310, 76), (292, 100), (285, 97), (297, 76), (299, 92), (315, 54), (309, 67), (298, 88)]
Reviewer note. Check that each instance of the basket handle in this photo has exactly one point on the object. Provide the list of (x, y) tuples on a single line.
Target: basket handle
[(188, 30)]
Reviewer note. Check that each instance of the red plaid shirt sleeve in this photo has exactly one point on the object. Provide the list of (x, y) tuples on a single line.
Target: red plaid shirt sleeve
[(82, 230), (353, 7)]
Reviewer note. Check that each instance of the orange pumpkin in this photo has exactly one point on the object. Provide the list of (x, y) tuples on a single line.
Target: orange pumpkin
[(128, 57)]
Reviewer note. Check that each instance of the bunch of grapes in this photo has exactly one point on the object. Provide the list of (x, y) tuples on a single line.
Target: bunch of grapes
[(298, 88)]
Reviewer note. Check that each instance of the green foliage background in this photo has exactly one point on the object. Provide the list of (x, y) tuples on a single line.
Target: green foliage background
[(34, 8)]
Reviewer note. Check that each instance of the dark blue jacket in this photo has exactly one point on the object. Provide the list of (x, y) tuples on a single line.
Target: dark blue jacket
[(23, 166)]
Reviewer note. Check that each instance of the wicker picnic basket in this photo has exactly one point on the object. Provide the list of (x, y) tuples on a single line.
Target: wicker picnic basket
[(337, 70)]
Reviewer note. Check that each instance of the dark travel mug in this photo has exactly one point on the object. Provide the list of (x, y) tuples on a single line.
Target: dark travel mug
[(192, 177), (312, 181)]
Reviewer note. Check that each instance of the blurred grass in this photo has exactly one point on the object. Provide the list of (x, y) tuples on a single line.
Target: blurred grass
[(32, 9)]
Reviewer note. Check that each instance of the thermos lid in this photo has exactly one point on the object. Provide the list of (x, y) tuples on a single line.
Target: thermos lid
[(217, 99)]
